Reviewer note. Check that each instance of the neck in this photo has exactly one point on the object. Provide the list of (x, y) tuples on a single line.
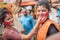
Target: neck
[(25, 15)]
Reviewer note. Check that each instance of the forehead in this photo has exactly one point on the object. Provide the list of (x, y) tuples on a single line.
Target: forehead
[(41, 7), (8, 16)]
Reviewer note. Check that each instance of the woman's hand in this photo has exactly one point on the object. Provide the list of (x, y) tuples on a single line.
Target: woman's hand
[(41, 19)]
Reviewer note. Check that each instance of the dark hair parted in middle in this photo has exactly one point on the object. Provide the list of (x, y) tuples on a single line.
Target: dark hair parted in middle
[(3, 12), (44, 3)]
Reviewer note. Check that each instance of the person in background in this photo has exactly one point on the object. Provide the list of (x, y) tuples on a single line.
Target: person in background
[(27, 21), (20, 13), (53, 12), (15, 10), (56, 4), (16, 7)]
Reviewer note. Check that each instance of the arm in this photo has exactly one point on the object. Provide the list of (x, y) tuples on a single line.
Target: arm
[(54, 37), (32, 32)]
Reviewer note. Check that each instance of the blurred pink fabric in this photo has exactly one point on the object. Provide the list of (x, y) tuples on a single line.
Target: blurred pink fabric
[(11, 34)]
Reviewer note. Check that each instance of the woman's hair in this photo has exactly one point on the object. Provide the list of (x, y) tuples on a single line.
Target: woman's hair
[(44, 3), (3, 12)]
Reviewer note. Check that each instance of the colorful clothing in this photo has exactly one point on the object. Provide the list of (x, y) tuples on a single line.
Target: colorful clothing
[(47, 29), (27, 22), (11, 34)]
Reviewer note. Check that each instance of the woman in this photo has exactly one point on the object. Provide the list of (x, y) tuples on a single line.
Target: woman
[(48, 27), (10, 33)]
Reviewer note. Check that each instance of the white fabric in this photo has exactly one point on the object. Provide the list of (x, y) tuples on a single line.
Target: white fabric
[(17, 24), (53, 15)]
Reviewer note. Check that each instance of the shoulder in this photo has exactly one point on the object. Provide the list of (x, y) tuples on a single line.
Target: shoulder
[(30, 16), (50, 21)]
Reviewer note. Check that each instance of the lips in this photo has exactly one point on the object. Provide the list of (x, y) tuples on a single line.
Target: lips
[(40, 15)]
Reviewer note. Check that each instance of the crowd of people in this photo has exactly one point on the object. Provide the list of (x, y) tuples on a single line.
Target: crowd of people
[(46, 27)]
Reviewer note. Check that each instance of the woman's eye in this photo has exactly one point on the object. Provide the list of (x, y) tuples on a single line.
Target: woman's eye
[(38, 10), (8, 19), (43, 10)]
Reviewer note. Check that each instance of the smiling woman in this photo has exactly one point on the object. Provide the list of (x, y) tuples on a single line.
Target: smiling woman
[(48, 26)]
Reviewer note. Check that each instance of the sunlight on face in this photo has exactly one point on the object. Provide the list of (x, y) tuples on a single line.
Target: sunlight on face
[(42, 12)]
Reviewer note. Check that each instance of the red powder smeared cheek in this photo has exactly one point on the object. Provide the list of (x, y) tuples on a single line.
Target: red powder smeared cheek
[(46, 14), (7, 23)]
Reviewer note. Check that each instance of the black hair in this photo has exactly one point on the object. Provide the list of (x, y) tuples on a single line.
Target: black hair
[(45, 3), (3, 12)]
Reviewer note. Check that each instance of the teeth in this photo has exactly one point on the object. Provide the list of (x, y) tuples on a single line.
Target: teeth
[(42, 18)]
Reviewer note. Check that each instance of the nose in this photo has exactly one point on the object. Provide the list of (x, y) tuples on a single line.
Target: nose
[(41, 12), (11, 20)]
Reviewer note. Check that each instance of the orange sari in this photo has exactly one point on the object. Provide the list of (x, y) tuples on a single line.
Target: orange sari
[(44, 29)]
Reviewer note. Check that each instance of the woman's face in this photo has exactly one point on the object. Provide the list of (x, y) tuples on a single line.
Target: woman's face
[(42, 12), (24, 11), (8, 20)]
